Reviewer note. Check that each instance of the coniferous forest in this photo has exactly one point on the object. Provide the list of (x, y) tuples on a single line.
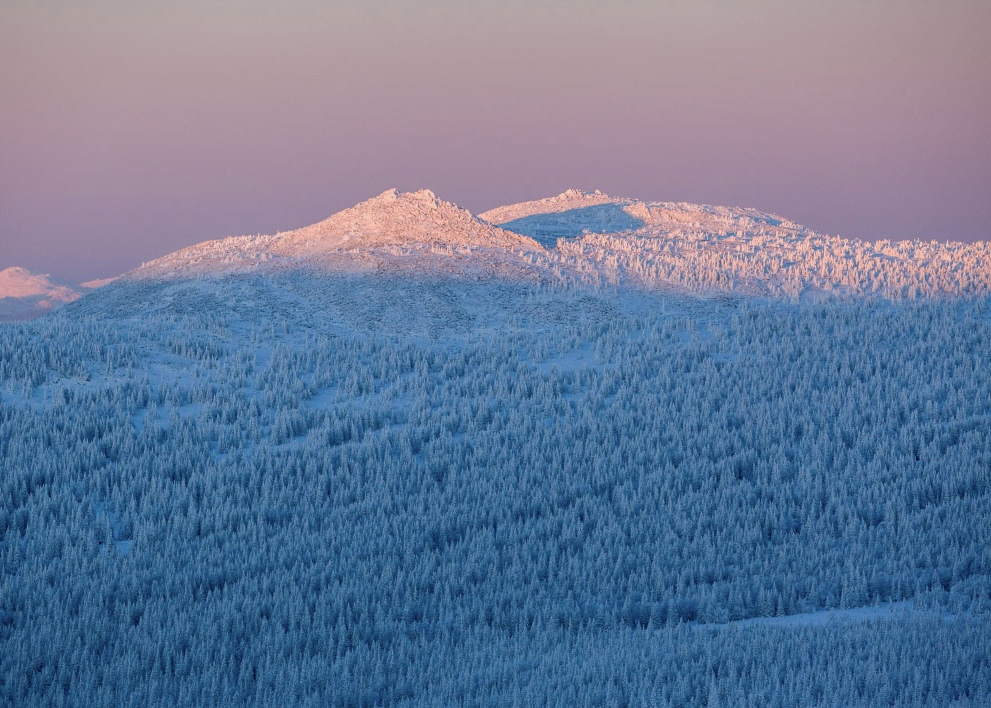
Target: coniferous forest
[(390, 490)]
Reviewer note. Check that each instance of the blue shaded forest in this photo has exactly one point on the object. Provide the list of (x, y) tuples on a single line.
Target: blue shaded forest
[(357, 491)]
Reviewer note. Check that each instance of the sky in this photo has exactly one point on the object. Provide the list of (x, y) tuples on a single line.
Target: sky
[(131, 129)]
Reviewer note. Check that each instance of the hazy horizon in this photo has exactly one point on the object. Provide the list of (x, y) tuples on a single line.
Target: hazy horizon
[(131, 132)]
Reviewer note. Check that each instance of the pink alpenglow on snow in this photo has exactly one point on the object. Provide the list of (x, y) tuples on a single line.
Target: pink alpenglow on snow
[(593, 238), (132, 129), (24, 295)]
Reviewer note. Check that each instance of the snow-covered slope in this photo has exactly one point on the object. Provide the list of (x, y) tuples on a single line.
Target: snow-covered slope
[(24, 294), (305, 469), (706, 249), (575, 213), (397, 219), (388, 489), (97, 283), (592, 238), (393, 231)]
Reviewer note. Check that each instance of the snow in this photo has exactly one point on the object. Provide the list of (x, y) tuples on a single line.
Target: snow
[(871, 613), (593, 239), (600, 219), (416, 227), (114, 525), (508, 464), (97, 283), (585, 238), (24, 295), (568, 200), (575, 360)]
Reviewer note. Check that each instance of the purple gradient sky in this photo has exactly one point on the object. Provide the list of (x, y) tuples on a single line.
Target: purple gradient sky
[(127, 131)]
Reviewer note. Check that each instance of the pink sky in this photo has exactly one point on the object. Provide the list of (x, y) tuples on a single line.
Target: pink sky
[(127, 133)]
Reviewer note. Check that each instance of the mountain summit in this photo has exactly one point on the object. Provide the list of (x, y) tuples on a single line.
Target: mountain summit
[(406, 225), (396, 218), (592, 238), (575, 212)]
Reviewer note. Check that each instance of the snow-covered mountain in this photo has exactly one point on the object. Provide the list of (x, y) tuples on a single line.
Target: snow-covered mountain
[(575, 213), (409, 456), (706, 249), (393, 231), (577, 237), (593, 238), (24, 294)]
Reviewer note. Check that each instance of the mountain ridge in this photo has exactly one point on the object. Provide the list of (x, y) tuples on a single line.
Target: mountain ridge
[(418, 231), (389, 225), (398, 218), (584, 238)]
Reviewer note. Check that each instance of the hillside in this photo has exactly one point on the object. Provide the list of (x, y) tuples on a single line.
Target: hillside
[(412, 231), (409, 457), (708, 250), (388, 489), (590, 238), (577, 238)]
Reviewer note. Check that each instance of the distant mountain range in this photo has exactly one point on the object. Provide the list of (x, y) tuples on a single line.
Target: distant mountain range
[(24, 294), (576, 236)]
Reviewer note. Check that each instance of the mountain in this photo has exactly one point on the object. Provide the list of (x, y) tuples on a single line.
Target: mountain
[(575, 213), (97, 283), (707, 250), (408, 456), (398, 219), (577, 237), (411, 230), (595, 239), (24, 295)]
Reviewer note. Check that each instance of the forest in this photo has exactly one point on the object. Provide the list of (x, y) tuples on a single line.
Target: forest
[(388, 490)]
